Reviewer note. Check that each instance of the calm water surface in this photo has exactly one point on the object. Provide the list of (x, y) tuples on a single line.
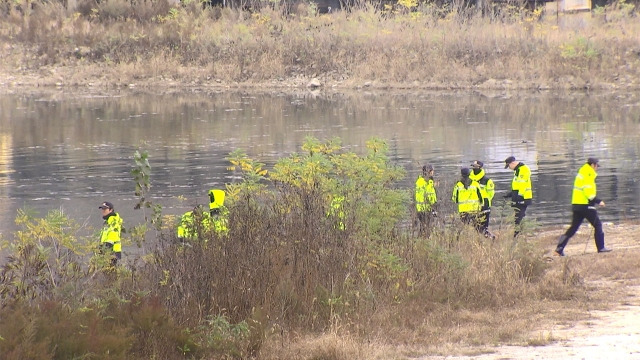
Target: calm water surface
[(72, 151)]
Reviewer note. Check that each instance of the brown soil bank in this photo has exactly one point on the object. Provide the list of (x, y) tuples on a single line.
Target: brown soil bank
[(154, 44)]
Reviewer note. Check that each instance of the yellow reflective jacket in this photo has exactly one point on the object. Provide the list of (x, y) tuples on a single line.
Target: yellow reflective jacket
[(425, 194), (188, 228), (486, 185), (219, 212), (216, 199), (221, 221), (521, 189), (111, 231), (469, 199), (584, 187)]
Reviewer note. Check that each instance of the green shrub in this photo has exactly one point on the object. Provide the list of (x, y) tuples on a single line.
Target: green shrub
[(45, 257)]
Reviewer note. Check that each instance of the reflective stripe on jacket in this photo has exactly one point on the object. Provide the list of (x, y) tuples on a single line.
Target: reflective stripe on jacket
[(521, 184), (469, 199)]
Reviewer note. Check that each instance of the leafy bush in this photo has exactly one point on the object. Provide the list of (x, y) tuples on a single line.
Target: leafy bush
[(45, 258)]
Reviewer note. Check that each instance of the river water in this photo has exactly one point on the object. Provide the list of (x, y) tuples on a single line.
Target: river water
[(71, 151)]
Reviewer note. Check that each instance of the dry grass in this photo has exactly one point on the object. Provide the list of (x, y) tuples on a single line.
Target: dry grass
[(112, 43), (323, 347), (289, 284), (571, 288)]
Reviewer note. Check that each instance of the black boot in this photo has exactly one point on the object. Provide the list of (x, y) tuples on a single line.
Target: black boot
[(562, 242)]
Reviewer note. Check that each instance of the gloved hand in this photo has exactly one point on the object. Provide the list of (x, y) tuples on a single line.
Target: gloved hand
[(507, 195)]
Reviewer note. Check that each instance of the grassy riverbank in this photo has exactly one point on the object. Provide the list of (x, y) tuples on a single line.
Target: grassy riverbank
[(157, 45), (326, 263)]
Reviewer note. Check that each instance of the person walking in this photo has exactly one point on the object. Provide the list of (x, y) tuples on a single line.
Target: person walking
[(583, 202), (488, 187), (470, 199), (521, 190), (426, 198), (110, 240)]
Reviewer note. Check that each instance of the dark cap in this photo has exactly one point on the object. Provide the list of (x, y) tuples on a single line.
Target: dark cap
[(465, 172), (508, 161), (592, 161), (477, 164), (106, 205), (427, 168)]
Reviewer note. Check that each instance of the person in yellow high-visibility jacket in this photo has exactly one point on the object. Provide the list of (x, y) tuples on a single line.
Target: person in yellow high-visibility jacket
[(194, 224), (488, 187), (470, 199), (218, 211), (110, 235), (426, 198), (584, 200), (521, 190)]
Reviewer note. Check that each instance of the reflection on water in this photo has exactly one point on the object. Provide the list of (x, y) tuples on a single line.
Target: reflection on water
[(73, 152), (6, 168)]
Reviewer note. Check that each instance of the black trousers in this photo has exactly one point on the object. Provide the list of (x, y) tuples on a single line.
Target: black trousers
[(484, 221), (520, 211), (426, 220), (579, 214)]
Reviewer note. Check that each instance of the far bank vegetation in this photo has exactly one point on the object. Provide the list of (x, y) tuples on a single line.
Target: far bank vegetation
[(423, 44)]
